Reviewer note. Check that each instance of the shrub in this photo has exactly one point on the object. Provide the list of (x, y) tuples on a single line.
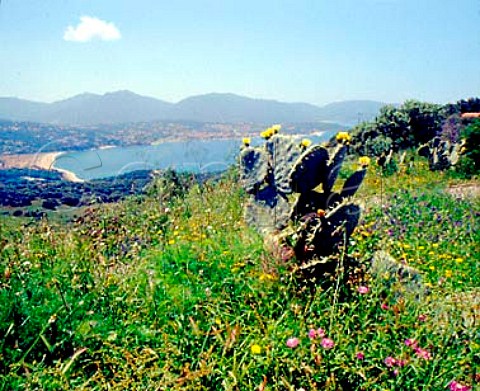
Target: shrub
[(468, 165)]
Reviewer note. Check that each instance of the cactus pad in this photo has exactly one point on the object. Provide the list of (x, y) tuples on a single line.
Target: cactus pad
[(309, 171)]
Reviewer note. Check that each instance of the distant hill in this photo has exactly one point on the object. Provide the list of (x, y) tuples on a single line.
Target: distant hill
[(351, 112), (125, 106)]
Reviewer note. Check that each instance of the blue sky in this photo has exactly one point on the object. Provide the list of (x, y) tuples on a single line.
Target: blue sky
[(315, 51)]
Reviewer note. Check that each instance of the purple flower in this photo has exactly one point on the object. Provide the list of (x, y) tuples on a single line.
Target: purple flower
[(400, 363), (293, 342), (396, 372), (363, 289), (422, 318), (321, 333), (384, 306), (360, 356), (411, 342), (455, 386), (327, 343), (423, 353), (390, 361), (312, 333)]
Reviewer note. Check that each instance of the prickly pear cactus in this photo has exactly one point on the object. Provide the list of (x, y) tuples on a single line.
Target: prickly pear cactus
[(316, 221), (265, 174), (441, 154)]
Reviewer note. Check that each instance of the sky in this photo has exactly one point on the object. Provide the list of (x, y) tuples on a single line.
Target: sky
[(315, 51)]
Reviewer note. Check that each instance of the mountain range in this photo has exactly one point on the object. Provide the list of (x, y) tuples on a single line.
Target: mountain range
[(125, 106)]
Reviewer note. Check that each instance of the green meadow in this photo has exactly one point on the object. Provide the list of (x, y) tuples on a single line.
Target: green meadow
[(172, 290)]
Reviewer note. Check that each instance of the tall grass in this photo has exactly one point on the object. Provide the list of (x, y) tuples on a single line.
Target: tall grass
[(178, 293)]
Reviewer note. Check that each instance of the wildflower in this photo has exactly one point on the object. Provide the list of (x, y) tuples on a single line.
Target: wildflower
[(247, 141), (396, 372), (312, 333), (306, 143), (343, 137), (459, 260), (171, 241), (455, 386), (256, 349), (364, 161), (390, 361), (360, 356), (363, 289), (267, 276), (448, 273), (423, 353), (411, 342), (384, 306), (293, 342), (327, 343)]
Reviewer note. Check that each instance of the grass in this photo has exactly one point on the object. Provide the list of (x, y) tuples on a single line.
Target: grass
[(177, 292)]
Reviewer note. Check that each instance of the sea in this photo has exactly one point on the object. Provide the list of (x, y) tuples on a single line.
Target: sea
[(194, 156)]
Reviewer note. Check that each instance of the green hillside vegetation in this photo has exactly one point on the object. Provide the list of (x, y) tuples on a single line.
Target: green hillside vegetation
[(411, 124), (172, 291)]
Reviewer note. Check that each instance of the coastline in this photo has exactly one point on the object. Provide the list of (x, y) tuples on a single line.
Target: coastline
[(38, 161)]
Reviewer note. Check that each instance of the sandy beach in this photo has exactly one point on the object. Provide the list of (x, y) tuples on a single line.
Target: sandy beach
[(37, 161)]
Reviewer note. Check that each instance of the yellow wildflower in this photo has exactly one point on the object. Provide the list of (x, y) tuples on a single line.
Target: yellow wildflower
[(256, 349), (267, 276), (343, 137), (448, 273), (432, 268), (459, 260), (364, 161), (171, 241), (306, 143)]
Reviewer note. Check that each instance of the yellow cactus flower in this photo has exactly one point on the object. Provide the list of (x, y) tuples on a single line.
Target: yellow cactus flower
[(246, 141), (267, 133), (364, 161), (306, 143), (256, 349), (343, 137), (276, 128)]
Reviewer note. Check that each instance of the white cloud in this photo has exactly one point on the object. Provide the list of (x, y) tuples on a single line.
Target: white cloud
[(90, 28)]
